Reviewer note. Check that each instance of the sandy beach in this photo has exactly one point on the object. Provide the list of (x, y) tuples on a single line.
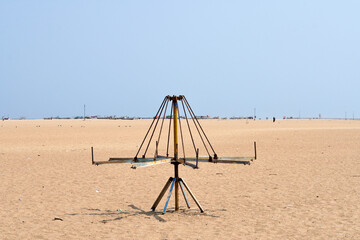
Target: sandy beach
[(305, 183)]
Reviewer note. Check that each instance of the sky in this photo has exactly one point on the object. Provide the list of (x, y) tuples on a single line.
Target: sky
[(284, 58)]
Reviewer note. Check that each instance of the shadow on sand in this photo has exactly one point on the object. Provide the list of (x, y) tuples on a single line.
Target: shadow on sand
[(118, 214)]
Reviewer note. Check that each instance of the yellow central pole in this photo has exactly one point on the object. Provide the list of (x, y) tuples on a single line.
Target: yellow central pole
[(176, 150), (176, 153)]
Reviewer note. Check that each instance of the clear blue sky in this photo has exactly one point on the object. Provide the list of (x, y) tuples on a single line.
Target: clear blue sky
[(227, 57)]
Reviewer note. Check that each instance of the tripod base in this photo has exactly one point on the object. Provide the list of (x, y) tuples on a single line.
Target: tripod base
[(175, 181)]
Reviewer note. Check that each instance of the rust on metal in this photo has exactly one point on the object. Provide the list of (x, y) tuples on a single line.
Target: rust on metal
[(92, 155), (255, 149), (163, 191)]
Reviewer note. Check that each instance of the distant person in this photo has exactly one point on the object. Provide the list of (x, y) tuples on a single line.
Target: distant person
[(273, 119)]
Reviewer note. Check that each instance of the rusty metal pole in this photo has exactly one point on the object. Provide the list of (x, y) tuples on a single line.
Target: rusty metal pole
[(176, 167), (176, 153)]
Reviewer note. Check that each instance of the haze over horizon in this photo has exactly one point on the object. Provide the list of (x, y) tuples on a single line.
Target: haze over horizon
[(284, 58)]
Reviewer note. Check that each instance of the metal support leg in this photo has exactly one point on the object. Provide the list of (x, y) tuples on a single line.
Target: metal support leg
[(182, 189), (162, 193), (167, 201), (191, 194)]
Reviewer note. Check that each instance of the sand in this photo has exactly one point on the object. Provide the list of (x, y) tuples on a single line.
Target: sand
[(305, 183)]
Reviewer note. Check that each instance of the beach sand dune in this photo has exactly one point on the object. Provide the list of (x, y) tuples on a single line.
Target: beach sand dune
[(305, 183)]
